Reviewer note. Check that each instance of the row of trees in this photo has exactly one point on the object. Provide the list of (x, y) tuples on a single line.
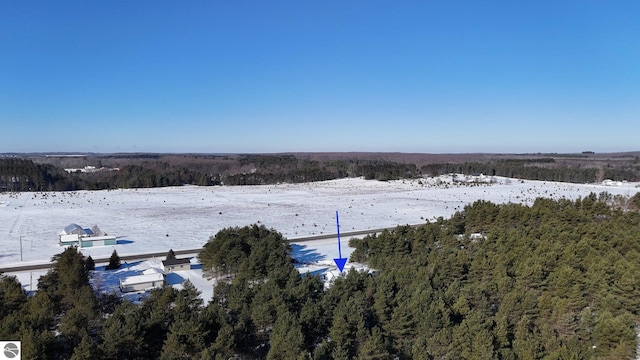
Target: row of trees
[(138, 171), (24, 175), (535, 169), (288, 169)]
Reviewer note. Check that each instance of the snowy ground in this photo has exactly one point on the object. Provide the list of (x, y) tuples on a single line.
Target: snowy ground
[(312, 259), (108, 281), (158, 219), (155, 220)]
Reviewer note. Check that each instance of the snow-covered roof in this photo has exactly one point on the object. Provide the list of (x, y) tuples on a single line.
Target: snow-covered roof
[(152, 270), (74, 229), (140, 279)]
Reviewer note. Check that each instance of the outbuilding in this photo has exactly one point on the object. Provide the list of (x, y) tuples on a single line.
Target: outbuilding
[(171, 265), (74, 234), (143, 282), (91, 241)]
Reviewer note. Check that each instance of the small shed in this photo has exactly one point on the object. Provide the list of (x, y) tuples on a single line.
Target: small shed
[(142, 282), (171, 265)]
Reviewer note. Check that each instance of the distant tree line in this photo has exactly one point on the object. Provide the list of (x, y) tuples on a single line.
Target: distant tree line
[(535, 169), (24, 175), (147, 170)]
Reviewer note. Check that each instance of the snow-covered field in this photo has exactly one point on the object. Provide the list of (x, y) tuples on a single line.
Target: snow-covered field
[(156, 220), (146, 220)]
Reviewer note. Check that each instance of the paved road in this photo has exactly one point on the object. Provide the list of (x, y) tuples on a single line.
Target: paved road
[(25, 268)]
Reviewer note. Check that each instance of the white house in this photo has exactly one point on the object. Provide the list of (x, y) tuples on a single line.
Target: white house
[(151, 280)]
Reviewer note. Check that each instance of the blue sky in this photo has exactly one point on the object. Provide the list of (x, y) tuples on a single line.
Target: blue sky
[(331, 75)]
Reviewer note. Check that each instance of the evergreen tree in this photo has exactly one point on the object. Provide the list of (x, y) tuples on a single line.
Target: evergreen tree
[(36, 344), (253, 250), (286, 340), (171, 255), (226, 341), (158, 315), (12, 296), (79, 320), (90, 265), (121, 333), (374, 347), (114, 261), (86, 349), (184, 340)]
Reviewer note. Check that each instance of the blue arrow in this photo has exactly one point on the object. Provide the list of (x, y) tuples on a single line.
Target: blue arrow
[(340, 261)]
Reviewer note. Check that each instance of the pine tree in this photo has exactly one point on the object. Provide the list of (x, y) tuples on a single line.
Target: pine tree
[(12, 296), (287, 341), (114, 261), (121, 333), (225, 341), (171, 255), (89, 264), (374, 347), (86, 350), (36, 344), (184, 340), (80, 318)]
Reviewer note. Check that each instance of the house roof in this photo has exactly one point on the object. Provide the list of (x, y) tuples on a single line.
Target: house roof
[(152, 270), (141, 279), (170, 262), (74, 229)]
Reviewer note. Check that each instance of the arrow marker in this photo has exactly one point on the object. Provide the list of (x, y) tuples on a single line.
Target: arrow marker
[(340, 261)]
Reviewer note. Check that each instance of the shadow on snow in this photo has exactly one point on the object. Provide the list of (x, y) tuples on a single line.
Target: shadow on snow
[(173, 279), (302, 255)]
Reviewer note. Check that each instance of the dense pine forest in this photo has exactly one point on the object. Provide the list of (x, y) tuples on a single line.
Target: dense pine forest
[(47, 173), (556, 280)]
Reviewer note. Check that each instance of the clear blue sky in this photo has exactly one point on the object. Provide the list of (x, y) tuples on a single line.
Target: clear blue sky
[(330, 75)]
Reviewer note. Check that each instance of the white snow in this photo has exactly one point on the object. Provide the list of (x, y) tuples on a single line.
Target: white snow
[(135, 279), (159, 219)]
